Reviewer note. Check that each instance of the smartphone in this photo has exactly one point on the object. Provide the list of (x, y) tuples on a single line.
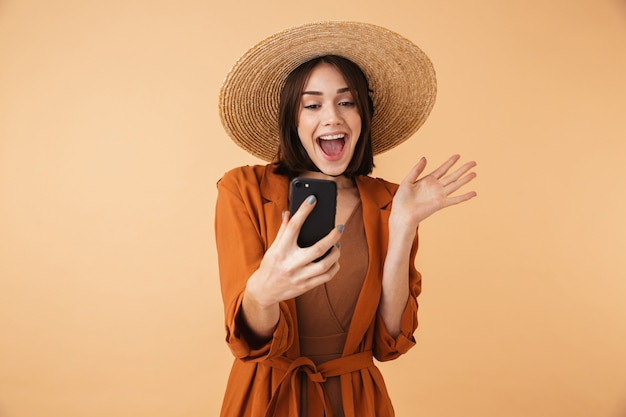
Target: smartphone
[(322, 219)]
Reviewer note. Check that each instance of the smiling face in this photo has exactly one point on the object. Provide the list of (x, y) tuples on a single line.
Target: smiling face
[(329, 123)]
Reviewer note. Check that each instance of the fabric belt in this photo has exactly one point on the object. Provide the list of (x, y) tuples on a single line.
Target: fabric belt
[(289, 387)]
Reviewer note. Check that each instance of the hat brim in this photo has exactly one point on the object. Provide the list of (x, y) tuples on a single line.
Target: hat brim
[(401, 77)]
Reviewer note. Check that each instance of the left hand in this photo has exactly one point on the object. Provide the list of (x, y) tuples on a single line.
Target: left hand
[(418, 198)]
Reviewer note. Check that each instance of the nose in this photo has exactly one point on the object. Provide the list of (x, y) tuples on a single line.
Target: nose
[(332, 116)]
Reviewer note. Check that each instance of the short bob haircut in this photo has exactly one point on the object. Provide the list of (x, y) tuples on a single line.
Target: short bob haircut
[(292, 158)]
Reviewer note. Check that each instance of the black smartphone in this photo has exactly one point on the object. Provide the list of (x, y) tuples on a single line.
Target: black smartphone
[(322, 219)]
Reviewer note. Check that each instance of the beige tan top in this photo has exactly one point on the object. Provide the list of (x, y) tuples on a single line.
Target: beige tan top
[(325, 313)]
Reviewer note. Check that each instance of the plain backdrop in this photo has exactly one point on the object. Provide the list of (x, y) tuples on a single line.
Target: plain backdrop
[(111, 145)]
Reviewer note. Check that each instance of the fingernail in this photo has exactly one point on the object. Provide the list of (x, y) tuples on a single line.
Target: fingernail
[(340, 228), (338, 245), (283, 214), (311, 199)]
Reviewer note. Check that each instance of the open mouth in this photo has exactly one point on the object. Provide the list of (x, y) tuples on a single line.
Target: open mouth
[(332, 145)]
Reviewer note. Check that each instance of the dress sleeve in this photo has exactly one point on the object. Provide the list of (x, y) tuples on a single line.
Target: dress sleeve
[(386, 347), (240, 248)]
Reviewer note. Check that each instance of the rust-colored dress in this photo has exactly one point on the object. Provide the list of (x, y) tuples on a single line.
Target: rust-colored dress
[(266, 378), (324, 313)]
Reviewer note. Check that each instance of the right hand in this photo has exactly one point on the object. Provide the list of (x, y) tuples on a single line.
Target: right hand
[(287, 270)]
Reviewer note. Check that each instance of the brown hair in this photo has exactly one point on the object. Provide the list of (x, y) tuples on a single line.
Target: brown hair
[(292, 157)]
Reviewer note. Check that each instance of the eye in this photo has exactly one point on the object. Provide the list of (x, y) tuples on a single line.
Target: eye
[(346, 103), (312, 106)]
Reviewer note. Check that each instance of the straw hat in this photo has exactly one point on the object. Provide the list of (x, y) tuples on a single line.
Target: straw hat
[(400, 75)]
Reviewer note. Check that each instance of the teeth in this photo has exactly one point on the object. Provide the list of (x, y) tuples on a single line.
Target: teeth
[(333, 137)]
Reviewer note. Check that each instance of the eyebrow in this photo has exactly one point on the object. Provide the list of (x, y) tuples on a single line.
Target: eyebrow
[(319, 93)]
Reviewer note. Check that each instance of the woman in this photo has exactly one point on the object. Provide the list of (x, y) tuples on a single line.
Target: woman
[(304, 333)]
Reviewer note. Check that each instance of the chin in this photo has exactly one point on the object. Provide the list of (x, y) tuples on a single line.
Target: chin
[(334, 171)]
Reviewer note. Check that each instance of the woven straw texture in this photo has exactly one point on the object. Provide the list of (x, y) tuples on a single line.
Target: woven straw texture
[(400, 74)]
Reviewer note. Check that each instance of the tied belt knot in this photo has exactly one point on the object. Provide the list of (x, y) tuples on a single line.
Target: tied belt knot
[(290, 385)]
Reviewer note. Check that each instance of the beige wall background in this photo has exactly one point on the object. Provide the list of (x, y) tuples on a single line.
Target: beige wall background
[(110, 147)]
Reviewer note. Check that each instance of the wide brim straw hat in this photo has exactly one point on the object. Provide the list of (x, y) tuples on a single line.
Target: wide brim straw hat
[(400, 75)]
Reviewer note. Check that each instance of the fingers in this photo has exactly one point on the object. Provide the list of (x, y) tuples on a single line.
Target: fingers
[(314, 278), (450, 183), (324, 270), (294, 221), (288, 270), (283, 225), (451, 201), (445, 167), (416, 171), (290, 229), (442, 170), (456, 180), (309, 274), (457, 174), (458, 183), (330, 241)]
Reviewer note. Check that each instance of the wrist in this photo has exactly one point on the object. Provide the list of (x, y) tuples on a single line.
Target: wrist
[(401, 227), (253, 295)]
